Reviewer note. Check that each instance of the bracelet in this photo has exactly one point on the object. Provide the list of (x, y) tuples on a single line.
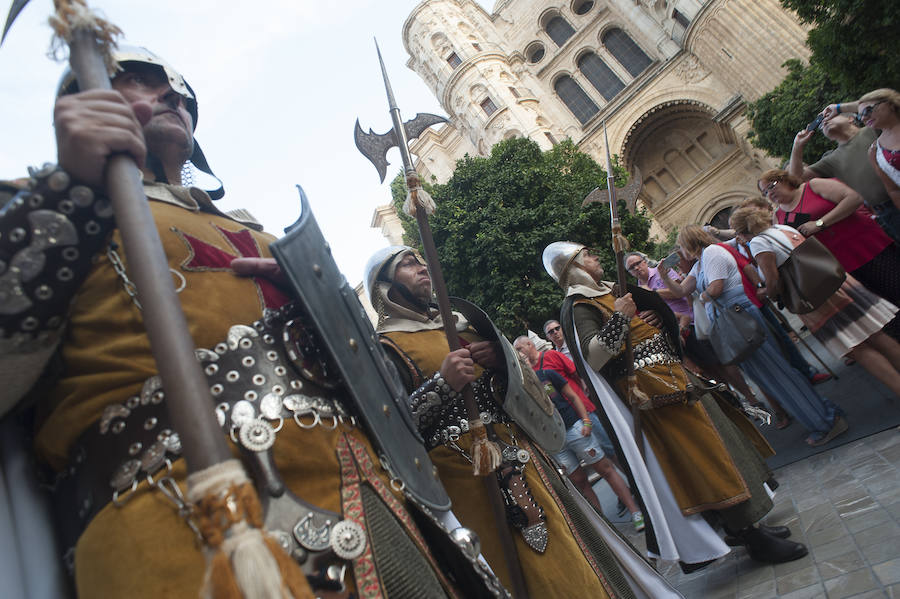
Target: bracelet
[(837, 109), (587, 422)]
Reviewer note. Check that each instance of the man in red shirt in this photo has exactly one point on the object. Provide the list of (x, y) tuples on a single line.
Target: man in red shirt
[(586, 440), (555, 360)]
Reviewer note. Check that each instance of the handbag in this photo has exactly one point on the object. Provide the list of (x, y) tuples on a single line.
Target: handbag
[(809, 276), (735, 333), (702, 325)]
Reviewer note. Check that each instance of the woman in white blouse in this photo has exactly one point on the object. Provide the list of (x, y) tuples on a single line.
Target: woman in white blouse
[(716, 277), (848, 324)]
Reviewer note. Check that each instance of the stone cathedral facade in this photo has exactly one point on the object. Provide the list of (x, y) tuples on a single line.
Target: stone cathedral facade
[(671, 80)]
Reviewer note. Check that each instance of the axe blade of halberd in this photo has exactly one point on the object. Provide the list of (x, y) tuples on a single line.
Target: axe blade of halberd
[(629, 192), (14, 11), (375, 146)]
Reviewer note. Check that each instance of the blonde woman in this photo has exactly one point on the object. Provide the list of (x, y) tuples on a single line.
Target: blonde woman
[(849, 324), (879, 110), (716, 277)]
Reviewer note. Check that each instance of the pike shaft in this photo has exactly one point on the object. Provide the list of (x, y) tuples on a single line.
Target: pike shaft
[(617, 241), (187, 393)]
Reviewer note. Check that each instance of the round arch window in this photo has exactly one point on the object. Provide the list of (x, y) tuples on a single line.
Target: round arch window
[(581, 7), (535, 52), (720, 220)]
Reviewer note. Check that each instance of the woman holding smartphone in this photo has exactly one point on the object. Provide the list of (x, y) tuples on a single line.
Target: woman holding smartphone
[(716, 276)]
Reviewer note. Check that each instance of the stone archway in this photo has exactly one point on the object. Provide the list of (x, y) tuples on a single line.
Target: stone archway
[(687, 157)]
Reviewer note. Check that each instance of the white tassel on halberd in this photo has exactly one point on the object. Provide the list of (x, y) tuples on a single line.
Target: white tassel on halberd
[(422, 199)]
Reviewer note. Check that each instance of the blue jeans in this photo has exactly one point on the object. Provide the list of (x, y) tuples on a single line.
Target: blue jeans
[(790, 348), (770, 370)]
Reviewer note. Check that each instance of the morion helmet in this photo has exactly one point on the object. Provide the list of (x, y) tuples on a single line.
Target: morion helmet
[(558, 257), (378, 262)]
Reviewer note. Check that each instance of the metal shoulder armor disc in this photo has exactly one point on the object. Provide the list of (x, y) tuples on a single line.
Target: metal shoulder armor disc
[(372, 382), (526, 402)]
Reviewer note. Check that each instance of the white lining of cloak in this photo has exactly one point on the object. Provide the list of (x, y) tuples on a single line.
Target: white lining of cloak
[(687, 538)]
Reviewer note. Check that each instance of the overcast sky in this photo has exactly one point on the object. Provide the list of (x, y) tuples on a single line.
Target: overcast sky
[(280, 84)]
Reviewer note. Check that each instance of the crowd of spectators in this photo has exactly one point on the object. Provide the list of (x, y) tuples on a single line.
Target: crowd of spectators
[(849, 200)]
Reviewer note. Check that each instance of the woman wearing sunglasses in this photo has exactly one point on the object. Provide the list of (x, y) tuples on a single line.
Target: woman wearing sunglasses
[(880, 110)]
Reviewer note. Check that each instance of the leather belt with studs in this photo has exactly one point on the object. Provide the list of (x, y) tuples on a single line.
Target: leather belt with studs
[(262, 377)]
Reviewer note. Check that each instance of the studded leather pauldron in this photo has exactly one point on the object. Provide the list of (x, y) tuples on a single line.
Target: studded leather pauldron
[(612, 335), (49, 233)]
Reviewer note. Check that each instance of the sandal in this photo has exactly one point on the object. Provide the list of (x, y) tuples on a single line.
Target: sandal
[(839, 427), (783, 422)]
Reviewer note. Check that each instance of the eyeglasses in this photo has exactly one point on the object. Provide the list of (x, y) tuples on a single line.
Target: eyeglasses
[(552, 330), (869, 109), (634, 265), (768, 188)]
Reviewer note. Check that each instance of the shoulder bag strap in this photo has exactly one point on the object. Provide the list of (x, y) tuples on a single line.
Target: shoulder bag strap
[(784, 247)]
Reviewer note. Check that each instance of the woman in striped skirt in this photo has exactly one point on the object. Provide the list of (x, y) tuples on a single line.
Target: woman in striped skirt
[(849, 323)]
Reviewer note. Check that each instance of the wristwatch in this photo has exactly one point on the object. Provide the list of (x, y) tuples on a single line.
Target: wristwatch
[(820, 223)]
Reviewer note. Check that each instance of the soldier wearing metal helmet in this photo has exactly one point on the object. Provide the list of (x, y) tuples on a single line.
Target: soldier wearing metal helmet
[(125, 518), (560, 552), (697, 457)]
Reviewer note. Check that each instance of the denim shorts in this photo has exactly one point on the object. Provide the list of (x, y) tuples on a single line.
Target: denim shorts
[(578, 448)]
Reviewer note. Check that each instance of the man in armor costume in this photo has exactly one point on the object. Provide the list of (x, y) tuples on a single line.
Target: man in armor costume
[(100, 424), (560, 557), (699, 458)]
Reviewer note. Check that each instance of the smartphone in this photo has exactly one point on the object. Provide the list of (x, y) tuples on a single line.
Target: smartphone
[(816, 122), (671, 261)]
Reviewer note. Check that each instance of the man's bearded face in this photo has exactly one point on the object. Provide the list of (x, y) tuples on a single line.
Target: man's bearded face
[(413, 275)]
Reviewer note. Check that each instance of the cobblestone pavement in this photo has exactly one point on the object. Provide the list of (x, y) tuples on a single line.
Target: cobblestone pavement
[(844, 504)]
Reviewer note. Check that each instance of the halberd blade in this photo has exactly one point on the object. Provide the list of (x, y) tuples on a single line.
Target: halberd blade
[(14, 11), (375, 146), (423, 120)]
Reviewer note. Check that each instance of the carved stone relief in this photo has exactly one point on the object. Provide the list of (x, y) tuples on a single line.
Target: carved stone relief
[(691, 70)]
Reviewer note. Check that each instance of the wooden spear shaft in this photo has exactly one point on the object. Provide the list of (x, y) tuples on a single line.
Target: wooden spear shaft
[(622, 280), (519, 590), (187, 393)]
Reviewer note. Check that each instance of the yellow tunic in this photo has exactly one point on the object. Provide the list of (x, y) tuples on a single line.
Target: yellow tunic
[(697, 466), (565, 569), (144, 549)]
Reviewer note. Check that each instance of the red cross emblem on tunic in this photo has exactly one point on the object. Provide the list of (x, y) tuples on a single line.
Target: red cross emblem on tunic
[(208, 257)]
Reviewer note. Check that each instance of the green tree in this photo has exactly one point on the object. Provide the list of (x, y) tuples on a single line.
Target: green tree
[(496, 215), (853, 41), (779, 114)]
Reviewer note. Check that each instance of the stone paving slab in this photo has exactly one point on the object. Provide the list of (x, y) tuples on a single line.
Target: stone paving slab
[(844, 504)]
